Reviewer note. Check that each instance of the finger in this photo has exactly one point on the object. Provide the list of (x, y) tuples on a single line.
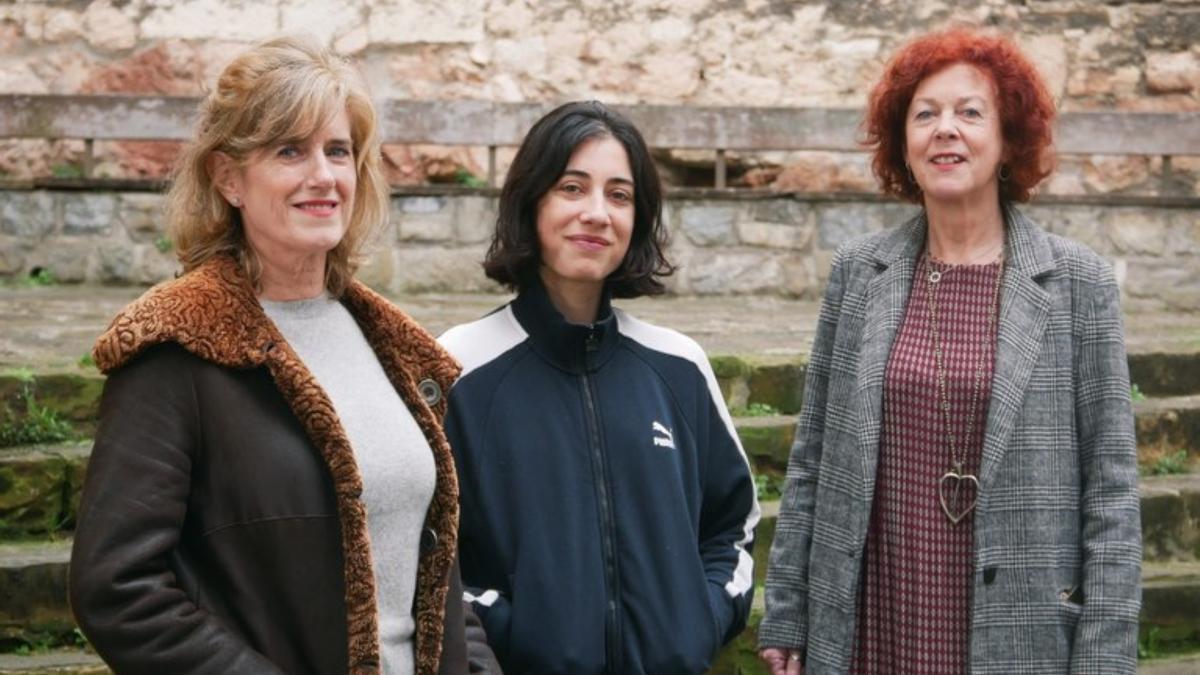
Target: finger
[(793, 665)]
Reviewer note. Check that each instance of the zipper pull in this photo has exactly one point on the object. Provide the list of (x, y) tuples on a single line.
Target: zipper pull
[(590, 344)]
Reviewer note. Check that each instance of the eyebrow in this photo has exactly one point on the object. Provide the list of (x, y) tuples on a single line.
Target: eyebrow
[(584, 174), (960, 101)]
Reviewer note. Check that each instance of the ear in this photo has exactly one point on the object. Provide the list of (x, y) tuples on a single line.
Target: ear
[(226, 176)]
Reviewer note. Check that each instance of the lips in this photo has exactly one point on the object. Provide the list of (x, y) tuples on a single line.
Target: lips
[(947, 158), (588, 242), (317, 207)]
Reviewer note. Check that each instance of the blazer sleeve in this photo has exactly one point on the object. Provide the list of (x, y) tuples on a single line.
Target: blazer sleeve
[(785, 624), (123, 592), (1106, 634)]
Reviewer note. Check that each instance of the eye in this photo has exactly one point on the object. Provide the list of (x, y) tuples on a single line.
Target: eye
[(973, 113), (340, 151), (288, 151), (571, 188), (923, 115), (621, 196)]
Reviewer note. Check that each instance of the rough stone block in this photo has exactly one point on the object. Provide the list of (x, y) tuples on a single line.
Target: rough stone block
[(67, 259), (474, 219), (115, 262), (768, 442), (33, 586), (109, 28), (324, 19), (152, 265), (780, 386), (88, 213), (840, 223), (775, 235), (27, 214), (195, 20), (424, 218), (713, 272), (1135, 232), (398, 22), (141, 214), (32, 488), (422, 269), (707, 225)]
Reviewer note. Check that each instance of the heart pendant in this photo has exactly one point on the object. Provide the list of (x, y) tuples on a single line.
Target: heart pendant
[(952, 483)]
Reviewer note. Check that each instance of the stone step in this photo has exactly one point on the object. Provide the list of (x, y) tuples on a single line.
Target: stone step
[(1170, 523), (1171, 603), (775, 382), (40, 488), (55, 662), (33, 591), (1164, 426)]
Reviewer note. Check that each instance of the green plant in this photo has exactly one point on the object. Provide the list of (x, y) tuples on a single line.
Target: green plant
[(1171, 464), (66, 171), (1148, 644), (20, 374), (464, 177), (86, 361), (163, 243), (755, 410), (768, 487), (1135, 393), (41, 276), (36, 424)]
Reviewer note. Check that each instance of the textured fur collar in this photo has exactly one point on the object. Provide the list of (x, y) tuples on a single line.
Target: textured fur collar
[(213, 313)]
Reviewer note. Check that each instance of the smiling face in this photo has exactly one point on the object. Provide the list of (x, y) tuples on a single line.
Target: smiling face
[(953, 143), (296, 197), (585, 220)]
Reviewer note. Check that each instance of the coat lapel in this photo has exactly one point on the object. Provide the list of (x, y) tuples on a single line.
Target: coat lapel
[(1024, 310), (886, 298)]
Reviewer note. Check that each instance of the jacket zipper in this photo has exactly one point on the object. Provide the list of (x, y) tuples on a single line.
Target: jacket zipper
[(608, 545)]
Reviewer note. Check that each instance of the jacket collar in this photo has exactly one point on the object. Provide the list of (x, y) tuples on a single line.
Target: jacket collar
[(572, 347)]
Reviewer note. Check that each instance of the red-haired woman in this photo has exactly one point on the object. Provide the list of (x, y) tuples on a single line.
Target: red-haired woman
[(962, 492)]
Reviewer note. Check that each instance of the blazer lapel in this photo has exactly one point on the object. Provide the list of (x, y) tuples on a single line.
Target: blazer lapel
[(1024, 309), (886, 297)]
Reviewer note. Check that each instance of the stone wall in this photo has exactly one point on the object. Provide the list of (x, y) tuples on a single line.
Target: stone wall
[(1135, 55), (724, 243)]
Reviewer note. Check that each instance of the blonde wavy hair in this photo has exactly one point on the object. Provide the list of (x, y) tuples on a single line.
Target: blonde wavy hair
[(283, 89)]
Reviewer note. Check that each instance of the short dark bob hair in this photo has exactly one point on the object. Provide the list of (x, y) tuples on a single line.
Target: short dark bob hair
[(1026, 108), (514, 256)]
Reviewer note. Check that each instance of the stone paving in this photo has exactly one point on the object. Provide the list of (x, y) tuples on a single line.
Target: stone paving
[(48, 329)]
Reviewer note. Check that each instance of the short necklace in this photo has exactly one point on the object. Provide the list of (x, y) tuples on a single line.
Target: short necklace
[(952, 483)]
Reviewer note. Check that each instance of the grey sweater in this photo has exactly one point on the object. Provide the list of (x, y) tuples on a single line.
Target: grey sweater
[(393, 456)]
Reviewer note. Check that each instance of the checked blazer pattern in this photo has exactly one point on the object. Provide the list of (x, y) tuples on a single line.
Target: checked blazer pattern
[(1057, 551)]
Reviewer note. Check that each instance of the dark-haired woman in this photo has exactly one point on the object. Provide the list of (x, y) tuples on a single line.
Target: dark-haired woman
[(962, 494), (607, 505)]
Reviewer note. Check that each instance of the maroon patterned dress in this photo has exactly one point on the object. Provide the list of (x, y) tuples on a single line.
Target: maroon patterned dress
[(915, 600)]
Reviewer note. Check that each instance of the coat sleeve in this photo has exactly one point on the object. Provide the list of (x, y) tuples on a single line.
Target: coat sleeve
[(785, 623), (728, 516), (123, 591), (464, 643), (1106, 634)]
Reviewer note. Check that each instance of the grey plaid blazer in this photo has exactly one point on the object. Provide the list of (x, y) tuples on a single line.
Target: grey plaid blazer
[(1057, 526)]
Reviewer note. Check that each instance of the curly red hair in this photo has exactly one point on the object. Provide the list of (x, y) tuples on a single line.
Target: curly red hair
[(1026, 108)]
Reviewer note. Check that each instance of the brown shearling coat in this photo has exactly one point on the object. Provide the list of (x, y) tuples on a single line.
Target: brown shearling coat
[(212, 314)]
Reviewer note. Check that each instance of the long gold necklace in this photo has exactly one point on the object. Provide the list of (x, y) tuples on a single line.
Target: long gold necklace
[(956, 479)]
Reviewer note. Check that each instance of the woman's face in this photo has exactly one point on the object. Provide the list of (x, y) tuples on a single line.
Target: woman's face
[(585, 220), (953, 143), (296, 197)]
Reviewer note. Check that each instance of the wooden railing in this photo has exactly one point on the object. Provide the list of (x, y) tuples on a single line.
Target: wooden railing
[(482, 123)]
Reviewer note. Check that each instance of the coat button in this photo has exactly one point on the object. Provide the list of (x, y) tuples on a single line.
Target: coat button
[(989, 575), (429, 540), (430, 391)]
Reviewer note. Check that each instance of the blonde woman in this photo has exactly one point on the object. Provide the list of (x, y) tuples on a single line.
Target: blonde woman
[(270, 489)]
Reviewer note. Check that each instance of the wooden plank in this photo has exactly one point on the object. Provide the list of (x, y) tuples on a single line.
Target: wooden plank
[(97, 117), (486, 123)]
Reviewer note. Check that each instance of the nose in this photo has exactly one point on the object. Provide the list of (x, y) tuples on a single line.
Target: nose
[(320, 172), (595, 209), (945, 129)]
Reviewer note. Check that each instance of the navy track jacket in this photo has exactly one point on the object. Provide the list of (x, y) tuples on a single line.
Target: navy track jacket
[(607, 505)]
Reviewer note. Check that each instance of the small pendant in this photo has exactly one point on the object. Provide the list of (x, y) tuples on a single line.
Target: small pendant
[(952, 483), (934, 276)]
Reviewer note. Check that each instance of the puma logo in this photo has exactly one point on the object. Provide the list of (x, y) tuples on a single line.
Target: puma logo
[(667, 439)]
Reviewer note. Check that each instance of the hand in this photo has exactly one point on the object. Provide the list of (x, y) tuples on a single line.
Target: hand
[(782, 661)]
